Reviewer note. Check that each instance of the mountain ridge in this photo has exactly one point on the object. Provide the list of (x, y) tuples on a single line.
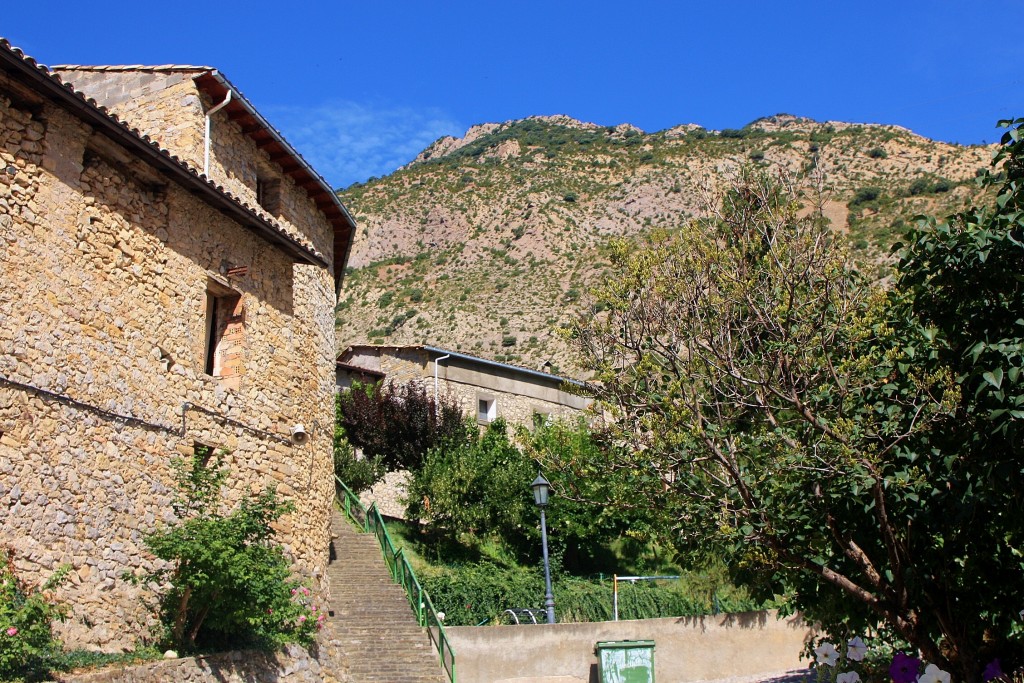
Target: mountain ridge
[(485, 243)]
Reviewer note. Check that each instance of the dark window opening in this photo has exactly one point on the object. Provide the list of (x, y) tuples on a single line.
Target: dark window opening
[(268, 195)]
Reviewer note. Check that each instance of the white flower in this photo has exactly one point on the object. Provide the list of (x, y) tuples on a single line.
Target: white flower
[(440, 616), (826, 654), (856, 649), (848, 677), (933, 674)]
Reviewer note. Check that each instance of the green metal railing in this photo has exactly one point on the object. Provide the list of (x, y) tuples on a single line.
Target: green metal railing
[(370, 520)]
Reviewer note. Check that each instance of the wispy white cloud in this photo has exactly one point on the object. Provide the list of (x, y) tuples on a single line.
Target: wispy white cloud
[(348, 141)]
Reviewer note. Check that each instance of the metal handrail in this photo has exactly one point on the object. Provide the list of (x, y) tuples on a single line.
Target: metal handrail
[(370, 520)]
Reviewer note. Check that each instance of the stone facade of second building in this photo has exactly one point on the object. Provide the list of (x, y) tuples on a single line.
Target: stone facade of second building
[(486, 389), (147, 309)]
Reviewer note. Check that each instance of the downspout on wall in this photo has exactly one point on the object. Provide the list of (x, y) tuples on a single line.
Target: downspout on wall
[(206, 142), (436, 360)]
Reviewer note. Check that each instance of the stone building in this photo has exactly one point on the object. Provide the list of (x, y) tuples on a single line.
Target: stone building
[(486, 389), (170, 268)]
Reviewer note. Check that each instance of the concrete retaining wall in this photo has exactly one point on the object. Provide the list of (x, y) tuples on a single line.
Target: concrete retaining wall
[(686, 648)]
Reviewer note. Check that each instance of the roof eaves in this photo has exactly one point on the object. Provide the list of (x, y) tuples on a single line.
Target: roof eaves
[(325, 189), (171, 165), (472, 359)]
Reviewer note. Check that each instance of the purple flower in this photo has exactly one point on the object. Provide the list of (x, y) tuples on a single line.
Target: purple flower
[(904, 668), (993, 670)]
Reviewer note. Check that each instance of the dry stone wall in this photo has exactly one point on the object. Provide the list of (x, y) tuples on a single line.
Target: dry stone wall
[(293, 665), (106, 279), (168, 106)]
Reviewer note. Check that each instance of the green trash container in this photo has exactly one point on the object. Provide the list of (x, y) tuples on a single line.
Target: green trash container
[(626, 661)]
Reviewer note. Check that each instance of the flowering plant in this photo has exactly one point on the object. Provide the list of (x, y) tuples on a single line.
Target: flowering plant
[(836, 665), (26, 613)]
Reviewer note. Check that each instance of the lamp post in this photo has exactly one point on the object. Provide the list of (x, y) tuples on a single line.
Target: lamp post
[(541, 487)]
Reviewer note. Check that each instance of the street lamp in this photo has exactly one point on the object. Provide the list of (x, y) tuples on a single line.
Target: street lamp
[(541, 487)]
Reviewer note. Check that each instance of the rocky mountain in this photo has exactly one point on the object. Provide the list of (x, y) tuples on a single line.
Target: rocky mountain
[(485, 243)]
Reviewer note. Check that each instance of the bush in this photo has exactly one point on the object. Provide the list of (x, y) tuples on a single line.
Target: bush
[(471, 594), (864, 196), (26, 614), (756, 155), (358, 474), (877, 153), (918, 187), (398, 423), (508, 340), (230, 583)]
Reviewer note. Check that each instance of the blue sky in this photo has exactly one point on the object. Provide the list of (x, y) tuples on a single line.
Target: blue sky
[(359, 88)]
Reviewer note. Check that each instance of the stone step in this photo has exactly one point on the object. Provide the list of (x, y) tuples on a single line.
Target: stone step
[(372, 619)]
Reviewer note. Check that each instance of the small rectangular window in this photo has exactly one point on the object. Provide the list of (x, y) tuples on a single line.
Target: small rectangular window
[(225, 335), (268, 195), (487, 410)]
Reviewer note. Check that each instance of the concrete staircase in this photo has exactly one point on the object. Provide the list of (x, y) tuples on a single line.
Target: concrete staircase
[(372, 619)]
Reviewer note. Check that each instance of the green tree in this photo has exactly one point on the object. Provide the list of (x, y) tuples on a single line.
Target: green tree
[(960, 280), (480, 487), (791, 412), (593, 506)]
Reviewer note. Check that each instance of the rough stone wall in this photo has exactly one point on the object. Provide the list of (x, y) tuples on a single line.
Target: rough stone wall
[(293, 665), (102, 342), (163, 105), (236, 162), (169, 108), (516, 407)]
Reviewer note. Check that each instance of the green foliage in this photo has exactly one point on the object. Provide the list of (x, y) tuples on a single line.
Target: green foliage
[(396, 424), (472, 594), (508, 340), (476, 486), (26, 615), (358, 474), (959, 280), (929, 185), (819, 433), (602, 520), (230, 585), (865, 195), (878, 153), (70, 660)]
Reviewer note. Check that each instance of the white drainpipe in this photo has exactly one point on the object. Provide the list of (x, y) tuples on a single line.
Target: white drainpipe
[(439, 358), (206, 146)]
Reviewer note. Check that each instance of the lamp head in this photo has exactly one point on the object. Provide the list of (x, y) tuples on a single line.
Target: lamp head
[(541, 488)]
